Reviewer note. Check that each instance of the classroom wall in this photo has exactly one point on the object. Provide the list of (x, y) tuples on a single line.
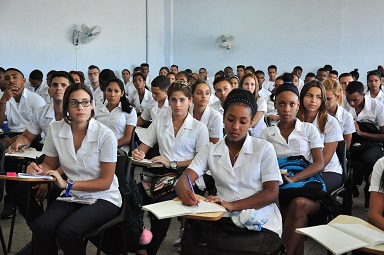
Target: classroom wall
[(310, 33)]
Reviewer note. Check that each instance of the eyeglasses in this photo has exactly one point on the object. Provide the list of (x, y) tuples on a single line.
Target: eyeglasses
[(93, 74), (75, 103)]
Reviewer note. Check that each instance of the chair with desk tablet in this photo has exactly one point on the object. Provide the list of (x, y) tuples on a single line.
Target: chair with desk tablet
[(2, 157)]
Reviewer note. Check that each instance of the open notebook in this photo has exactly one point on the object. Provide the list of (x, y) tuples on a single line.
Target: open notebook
[(172, 208)]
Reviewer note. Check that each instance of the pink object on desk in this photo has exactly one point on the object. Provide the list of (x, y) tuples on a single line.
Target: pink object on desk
[(11, 174)]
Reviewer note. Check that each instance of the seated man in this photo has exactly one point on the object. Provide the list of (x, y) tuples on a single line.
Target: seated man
[(40, 122), (16, 106), (364, 155), (222, 88)]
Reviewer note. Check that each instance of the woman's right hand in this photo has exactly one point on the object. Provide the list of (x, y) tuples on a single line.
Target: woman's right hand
[(33, 168), (189, 198), (138, 155)]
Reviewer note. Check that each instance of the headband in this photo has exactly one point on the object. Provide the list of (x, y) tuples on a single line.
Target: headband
[(240, 100), (287, 87)]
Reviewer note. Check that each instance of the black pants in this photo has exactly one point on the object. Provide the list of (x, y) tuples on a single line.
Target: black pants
[(18, 195), (67, 223), (159, 228), (363, 162)]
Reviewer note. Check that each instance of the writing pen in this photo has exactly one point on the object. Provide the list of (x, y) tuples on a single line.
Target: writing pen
[(22, 146), (191, 186), (137, 147)]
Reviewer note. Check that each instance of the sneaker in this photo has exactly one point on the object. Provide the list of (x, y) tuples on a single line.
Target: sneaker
[(7, 210), (176, 243)]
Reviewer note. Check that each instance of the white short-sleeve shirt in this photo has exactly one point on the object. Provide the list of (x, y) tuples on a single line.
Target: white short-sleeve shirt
[(260, 126), (116, 120), (41, 120), (345, 120), (213, 120), (377, 172), (301, 141), (256, 164), (152, 111), (217, 106), (190, 138), (19, 114), (134, 99), (373, 112), (99, 145), (332, 133)]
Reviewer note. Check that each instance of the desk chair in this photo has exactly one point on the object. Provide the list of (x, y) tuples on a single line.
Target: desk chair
[(3, 147), (123, 168)]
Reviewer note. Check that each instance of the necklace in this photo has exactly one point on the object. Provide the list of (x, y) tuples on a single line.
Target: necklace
[(234, 156)]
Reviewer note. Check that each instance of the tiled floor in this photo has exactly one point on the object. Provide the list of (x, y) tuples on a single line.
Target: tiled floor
[(22, 234)]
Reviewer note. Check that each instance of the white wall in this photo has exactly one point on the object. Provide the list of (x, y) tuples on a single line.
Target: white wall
[(344, 33), (310, 33), (37, 34)]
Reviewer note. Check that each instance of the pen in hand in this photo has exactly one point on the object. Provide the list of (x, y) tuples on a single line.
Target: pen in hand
[(138, 149), (191, 186)]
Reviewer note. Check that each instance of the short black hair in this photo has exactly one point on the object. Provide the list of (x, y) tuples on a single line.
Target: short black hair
[(36, 75), (334, 72), (298, 68), (2, 70), (344, 75), (93, 67), (355, 86), (272, 67), (63, 74), (251, 68), (144, 64), (241, 66), (15, 69), (161, 82), (138, 69), (220, 79)]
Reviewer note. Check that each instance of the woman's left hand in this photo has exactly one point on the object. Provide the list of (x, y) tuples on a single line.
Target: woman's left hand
[(215, 199), (60, 182), (162, 160), (287, 179)]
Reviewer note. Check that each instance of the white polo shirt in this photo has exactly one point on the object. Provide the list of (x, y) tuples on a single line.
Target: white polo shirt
[(377, 172), (256, 164), (134, 99), (191, 137), (373, 112), (345, 120), (301, 141), (129, 87), (213, 120), (217, 106), (99, 145), (260, 126), (116, 120), (19, 114), (152, 111), (41, 120), (98, 96), (332, 133)]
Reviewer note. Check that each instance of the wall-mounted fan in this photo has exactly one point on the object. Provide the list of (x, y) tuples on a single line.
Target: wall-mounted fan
[(86, 35), (225, 41)]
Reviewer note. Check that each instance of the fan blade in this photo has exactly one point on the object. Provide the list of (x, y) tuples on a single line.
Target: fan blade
[(84, 27)]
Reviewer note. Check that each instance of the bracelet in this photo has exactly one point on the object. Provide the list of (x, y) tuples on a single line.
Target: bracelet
[(1, 101)]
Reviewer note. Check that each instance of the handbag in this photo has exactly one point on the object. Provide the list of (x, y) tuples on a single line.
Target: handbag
[(224, 237), (158, 181), (312, 187)]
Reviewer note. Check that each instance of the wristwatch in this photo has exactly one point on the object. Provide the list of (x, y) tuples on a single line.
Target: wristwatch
[(70, 183), (174, 165)]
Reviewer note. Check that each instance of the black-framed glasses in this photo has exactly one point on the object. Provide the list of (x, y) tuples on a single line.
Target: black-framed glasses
[(75, 103)]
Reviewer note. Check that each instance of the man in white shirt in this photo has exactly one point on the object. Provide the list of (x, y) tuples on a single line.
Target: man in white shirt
[(40, 123), (37, 86), (345, 79), (364, 110), (272, 73), (94, 84), (148, 80), (222, 87), (240, 71), (174, 69)]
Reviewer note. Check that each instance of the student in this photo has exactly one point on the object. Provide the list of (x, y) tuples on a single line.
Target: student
[(333, 74), (334, 104), (179, 137), (376, 204), (163, 71), (298, 70), (345, 79), (148, 80), (86, 150), (313, 110), (247, 175), (322, 74), (172, 77), (234, 81), (117, 114), (272, 116), (291, 137), (364, 109), (272, 73), (159, 103), (222, 88), (174, 69), (374, 86), (40, 122), (94, 84), (128, 85), (309, 77), (140, 97), (249, 82), (77, 76), (202, 112), (228, 72), (240, 71)]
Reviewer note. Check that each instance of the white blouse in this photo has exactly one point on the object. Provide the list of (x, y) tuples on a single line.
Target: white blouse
[(190, 138), (99, 145), (255, 165), (213, 120)]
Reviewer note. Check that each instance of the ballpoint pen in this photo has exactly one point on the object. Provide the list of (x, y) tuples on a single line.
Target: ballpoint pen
[(137, 147), (190, 185)]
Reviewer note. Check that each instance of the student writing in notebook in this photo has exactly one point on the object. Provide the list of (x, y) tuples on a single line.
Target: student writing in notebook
[(376, 204), (179, 137), (86, 150), (245, 169)]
